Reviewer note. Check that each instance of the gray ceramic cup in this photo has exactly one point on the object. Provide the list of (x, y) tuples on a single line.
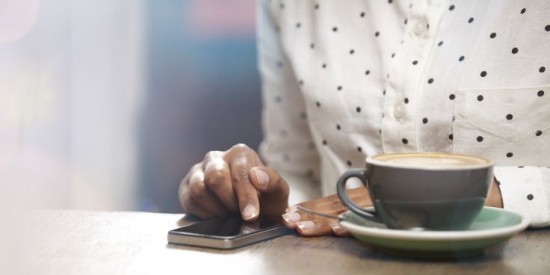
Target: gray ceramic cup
[(422, 191)]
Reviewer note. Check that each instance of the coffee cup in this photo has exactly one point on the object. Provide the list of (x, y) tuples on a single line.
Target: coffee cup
[(422, 191)]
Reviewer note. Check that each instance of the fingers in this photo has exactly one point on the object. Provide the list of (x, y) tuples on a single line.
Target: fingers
[(316, 227), (257, 188), (274, 190), (234, 180), (339, 231), (196, 198), (330, 205), (217, 178), (247, 195), (307, 224), (192, 207), (203, 196), (189, 205)]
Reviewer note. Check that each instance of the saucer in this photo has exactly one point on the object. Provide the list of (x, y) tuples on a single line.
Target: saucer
[(492, 226)]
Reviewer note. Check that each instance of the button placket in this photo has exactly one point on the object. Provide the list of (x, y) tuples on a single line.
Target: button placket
[(421, 27), (399, 111), (403, 90)]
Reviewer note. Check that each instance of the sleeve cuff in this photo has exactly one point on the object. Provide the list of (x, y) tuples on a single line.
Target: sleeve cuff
[(525, 191)]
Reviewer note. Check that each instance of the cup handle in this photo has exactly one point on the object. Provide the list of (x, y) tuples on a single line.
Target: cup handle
[(361, 174)]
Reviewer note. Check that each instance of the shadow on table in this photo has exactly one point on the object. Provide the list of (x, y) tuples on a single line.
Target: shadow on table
[(491, 254)]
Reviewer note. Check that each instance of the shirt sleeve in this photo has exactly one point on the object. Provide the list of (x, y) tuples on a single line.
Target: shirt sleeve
[(526, 190), (288, 145)]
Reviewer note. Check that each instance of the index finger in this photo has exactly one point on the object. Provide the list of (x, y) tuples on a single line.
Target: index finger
[(247, 195)]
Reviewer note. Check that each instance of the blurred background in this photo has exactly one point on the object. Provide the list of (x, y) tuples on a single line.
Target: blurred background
[(105, 104)]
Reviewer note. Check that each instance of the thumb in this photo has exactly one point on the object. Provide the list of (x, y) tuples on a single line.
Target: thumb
[(273, 190)]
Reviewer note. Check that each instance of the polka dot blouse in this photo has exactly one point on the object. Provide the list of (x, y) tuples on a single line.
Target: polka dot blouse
[(342, 81)]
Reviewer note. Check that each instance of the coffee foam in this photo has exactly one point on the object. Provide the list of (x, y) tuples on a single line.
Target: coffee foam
[(431, 160)]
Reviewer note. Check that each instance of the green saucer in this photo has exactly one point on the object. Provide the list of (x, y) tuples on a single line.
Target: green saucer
[(491, 227)]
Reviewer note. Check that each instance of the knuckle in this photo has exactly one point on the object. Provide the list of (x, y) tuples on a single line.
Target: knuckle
[(240, 147), (240, 163), (213, 155), (240, 175), (215, 178), (215, 163), (196, 167), (198, 191), (196, 177), (190, 174)]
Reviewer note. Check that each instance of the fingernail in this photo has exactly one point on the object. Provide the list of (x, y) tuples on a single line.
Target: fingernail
[(337, 228), (249, 212), (261, 176), (292, 217), (306, 225)]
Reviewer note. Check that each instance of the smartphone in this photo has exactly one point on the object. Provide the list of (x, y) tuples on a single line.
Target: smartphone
[(228, 232)]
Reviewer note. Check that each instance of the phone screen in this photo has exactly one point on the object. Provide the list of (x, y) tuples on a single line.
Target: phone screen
[(232, 225)]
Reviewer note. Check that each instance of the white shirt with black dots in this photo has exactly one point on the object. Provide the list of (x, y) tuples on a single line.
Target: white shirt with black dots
[(343, 80)]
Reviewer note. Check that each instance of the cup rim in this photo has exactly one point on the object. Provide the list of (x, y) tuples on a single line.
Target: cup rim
[(372, 160)]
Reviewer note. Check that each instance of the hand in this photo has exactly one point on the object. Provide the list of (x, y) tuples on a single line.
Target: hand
[(494, 198), (307, 224), (233, 181)]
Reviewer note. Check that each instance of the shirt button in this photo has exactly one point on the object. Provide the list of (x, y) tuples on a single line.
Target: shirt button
[(399, 111), (420, 27)]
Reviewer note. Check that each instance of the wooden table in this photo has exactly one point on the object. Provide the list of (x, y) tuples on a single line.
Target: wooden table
[(77, 242)]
